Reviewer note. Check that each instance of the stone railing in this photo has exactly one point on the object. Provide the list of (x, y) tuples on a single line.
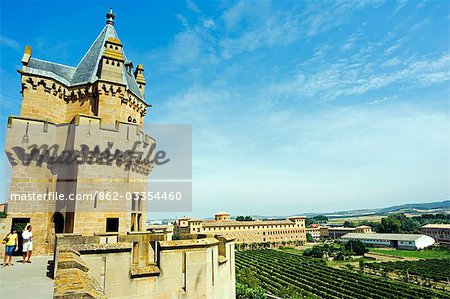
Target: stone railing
[(72, 279)]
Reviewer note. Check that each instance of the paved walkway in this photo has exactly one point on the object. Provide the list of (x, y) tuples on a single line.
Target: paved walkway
[(26, 280)]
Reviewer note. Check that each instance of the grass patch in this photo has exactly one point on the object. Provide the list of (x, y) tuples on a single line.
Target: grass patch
[(422, 254), (292, 250)]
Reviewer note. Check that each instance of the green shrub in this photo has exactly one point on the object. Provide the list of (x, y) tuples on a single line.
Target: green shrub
[(245, 292)]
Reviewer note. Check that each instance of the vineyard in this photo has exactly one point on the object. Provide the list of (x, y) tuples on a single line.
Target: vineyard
[(276, 270), (435, 269)]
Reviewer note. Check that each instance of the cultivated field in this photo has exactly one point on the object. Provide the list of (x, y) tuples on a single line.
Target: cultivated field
[(435, 269), (309, 277), (420, 254)]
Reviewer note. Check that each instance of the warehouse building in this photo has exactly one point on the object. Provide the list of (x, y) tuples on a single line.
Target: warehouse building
[(439, 232), (338, 232), (400, 241)]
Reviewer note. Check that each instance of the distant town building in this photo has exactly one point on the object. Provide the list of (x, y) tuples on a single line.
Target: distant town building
[(400, 241), (324, 232), (257, 231), (314, 230), (337, 232), (439, 232), (2, 207)]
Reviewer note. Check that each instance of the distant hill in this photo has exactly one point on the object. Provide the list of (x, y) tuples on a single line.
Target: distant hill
[(413, 208), (419, 206)]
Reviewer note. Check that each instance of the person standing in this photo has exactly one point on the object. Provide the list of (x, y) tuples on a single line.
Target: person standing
[(27, 245), (11, 246)]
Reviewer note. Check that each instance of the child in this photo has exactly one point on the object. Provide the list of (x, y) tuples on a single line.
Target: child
[(11, 246)]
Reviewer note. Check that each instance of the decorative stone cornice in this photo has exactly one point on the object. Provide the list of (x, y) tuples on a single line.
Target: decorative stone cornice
[(56, 88), (111, 88)]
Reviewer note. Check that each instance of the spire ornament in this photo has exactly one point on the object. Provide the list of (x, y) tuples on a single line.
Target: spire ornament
[(110, 16)]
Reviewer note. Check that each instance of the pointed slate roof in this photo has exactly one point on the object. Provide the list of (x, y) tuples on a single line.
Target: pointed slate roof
[(87, 70)]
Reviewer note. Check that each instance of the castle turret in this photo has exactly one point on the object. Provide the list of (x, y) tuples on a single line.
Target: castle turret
[(140, 79), (112, 62), (101, 85), (26, 57)]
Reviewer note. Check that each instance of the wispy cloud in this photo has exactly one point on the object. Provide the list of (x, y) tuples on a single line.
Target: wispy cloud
[(192, 6), (400, 5), (382, 100), (10, 43), (392, 62), (244, 27), (347, 78)]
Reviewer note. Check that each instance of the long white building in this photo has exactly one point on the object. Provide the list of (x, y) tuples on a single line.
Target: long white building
[(400, 241)]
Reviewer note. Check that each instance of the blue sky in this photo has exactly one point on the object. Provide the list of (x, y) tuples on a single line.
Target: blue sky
[(295, 106)]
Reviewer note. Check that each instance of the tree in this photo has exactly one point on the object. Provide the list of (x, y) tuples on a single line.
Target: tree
[(340, 256), (349, 224), (356, 247), (390, 225), (244, 218), (316, 219), (399, 223), (245, 292), (316, 251), (361, 266), (288, 292), (309, 238), (247, 277), (411, 225)]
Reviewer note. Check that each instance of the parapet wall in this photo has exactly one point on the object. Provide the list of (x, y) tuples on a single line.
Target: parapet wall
[(143, 265)]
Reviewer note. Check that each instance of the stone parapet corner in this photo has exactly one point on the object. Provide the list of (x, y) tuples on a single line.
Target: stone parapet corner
[(75, 283), (222, 260), (145, 271), (102, 248), (195, 243)]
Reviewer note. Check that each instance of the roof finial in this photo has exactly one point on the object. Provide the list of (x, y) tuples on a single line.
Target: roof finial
[(110, 16)]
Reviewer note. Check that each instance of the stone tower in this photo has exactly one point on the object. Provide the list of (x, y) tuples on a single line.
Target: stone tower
[(94, 108)]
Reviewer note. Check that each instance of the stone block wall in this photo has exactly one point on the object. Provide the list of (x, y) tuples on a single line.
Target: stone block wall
[(187, 269)]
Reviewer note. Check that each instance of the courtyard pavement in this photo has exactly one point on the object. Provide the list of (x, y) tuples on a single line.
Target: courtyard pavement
[(26, 280)]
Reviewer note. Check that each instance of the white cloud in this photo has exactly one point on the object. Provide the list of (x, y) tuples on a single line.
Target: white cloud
[(382, 100), (192, 6), (10, 43), (391, 62), (397, 45), (208, 23), (400, 5), (347, 77)]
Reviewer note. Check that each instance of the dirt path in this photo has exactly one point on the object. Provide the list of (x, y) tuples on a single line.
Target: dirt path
[(387, 257)]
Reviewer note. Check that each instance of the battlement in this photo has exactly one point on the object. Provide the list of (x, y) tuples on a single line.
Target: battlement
[(34, 142), (129, 131)]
